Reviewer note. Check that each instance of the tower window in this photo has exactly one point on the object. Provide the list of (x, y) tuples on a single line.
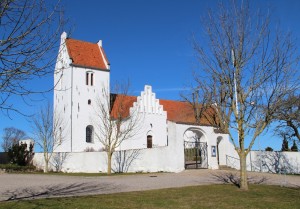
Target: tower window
[(89, 102), (89, 134), (87, 78)]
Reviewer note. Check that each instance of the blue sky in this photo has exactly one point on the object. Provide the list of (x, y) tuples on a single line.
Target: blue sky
[(148, 42)]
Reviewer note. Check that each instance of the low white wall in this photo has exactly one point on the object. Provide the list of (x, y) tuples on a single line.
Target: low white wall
[(143, 160), (89, 162), (264, 161), (167, 159), (171, 158)]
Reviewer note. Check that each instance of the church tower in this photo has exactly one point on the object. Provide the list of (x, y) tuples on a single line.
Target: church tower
[(81, 74)]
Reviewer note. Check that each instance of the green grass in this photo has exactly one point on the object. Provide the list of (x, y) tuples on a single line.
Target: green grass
[(212, 196)]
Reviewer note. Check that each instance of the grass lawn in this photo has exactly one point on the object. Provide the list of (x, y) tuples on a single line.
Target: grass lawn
[(211, 196)]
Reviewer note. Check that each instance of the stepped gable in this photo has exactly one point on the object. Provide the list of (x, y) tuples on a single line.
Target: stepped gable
[(148, 103), (176, 111)]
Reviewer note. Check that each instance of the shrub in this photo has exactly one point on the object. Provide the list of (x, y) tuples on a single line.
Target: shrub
[(294, 148), (285, 145), (13, 168), (269, 149), (20, 155), (89, 149)]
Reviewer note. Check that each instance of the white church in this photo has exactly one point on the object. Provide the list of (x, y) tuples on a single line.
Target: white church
[(169, 139)]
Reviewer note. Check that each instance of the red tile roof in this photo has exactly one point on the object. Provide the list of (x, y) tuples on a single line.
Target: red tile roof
[(182, 112), (121, 105), (85, 54), (177, 111)]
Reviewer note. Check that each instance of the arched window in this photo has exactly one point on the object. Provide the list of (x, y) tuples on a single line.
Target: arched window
[(89, 102), (89, 133), (149, 141)]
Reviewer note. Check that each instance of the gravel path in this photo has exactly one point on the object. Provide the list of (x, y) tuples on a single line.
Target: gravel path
[(31, 186)]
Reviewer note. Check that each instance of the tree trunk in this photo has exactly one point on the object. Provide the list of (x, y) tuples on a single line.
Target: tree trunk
[(109, 155), (46, 166), (243, 172), (46, 159)]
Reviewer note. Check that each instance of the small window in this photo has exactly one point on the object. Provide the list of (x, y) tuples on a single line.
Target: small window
[(149, 141), (89, 134), (92, 79), (89, 102), (87, 78), (60, 135)]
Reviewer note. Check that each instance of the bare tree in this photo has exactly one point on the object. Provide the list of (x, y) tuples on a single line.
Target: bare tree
[(29, 33), (200, 100), (114, 121), (288, 116), (58, 160), (48, 131), (246, 73), (10, 137)]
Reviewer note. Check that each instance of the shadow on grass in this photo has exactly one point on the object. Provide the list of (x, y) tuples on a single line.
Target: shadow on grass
[(233, 178), (75, 189)]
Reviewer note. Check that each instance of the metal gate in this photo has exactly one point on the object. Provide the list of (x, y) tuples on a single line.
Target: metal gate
[(195, 155)]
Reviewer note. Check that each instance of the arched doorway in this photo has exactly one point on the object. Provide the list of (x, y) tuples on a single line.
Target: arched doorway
[(195, 149)]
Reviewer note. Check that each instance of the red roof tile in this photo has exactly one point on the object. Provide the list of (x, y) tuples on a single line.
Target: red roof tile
[(182, 112), (86, 54), (177, 111), (121, 105)]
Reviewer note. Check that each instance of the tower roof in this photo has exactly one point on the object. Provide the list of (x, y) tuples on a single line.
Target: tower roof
[(86, 54)]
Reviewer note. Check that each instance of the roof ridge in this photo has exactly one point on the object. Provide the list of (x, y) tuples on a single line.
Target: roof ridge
[(81, 40), (171, 100)]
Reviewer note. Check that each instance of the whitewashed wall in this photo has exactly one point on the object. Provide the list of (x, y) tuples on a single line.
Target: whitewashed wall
[(210, 137), (62, 92), (71, 95), (153, 120), (83, 114), (264, 161), (167, 159), (226, 148)]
